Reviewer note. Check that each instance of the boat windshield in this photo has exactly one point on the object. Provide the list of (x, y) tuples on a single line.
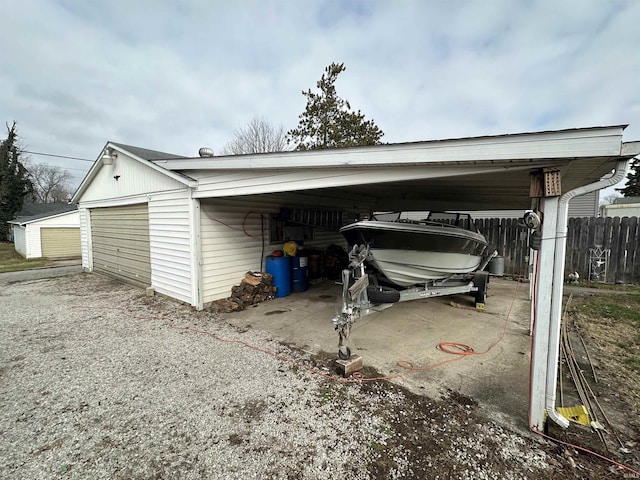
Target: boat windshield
[(454, 219), (461, 220)]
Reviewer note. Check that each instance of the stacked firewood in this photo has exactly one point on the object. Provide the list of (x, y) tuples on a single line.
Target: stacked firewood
[(255, 287)]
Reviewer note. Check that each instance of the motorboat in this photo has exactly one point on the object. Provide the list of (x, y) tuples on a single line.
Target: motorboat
[(412, 252)]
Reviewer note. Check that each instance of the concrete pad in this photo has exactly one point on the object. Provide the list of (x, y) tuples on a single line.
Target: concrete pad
[(497, 379), (39, 273)]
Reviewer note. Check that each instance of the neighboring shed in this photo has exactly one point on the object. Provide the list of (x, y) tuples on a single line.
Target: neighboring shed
[(53, 235), (622, 207)]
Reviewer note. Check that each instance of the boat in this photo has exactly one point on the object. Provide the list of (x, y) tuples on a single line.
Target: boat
[(413, 252)]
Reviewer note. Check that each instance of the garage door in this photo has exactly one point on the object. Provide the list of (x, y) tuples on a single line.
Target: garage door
[(60, 242), (120, 242)]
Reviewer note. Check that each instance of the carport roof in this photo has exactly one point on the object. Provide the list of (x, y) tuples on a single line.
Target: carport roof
[(472, 173)]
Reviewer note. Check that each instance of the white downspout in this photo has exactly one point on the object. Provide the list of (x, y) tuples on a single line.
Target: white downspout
[(558, 282)]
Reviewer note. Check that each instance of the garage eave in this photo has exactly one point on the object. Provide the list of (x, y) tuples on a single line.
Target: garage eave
[(581, 142), (97, 165)]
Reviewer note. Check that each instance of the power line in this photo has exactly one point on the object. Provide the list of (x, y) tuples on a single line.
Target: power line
[(58, 156), (62, 168)]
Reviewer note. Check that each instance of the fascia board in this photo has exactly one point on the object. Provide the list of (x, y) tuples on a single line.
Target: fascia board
[(630, 149), (587, 142)]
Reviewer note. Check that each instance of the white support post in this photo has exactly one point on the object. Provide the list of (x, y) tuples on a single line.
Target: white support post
[(544, 284), (196, 253)]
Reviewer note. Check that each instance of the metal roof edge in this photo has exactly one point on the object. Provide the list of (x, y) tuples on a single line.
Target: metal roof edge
[(294, 159)]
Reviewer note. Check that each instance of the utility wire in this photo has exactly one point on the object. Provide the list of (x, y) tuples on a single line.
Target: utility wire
[(58, 156), (65, 168)]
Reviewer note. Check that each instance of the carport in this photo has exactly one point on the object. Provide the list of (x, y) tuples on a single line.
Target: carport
[(540, 171), (202, 222)]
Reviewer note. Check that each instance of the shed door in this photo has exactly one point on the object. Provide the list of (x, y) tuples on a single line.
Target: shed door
[(60, 242), (120, 242)]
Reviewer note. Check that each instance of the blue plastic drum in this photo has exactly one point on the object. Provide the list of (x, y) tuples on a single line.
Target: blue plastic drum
[(280, 268)]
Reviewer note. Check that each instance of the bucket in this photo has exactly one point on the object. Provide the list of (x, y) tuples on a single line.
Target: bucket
[(496, 266), (280, 268), (299, 274)]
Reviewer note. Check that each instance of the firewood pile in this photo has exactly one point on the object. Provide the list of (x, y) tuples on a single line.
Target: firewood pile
[(255, 287)]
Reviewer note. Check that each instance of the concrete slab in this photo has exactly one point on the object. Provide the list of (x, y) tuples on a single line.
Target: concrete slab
[(39, 273), (411, 331)]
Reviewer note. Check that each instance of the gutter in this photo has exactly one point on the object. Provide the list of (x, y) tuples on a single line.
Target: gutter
[(556, 293)]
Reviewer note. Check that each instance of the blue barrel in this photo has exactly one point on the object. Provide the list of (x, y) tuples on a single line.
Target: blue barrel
[(299, 274), (280, 268)]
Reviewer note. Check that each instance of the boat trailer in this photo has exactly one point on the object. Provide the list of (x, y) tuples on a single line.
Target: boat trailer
[(362, 296)]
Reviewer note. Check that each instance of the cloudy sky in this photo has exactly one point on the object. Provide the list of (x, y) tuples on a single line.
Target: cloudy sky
[(177, 75)]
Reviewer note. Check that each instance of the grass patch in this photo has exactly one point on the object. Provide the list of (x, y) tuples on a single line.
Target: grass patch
[(608, 286), (612, 322), (621, 308), (12, 261)]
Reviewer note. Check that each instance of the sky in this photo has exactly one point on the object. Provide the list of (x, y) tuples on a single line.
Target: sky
[(177, 75)]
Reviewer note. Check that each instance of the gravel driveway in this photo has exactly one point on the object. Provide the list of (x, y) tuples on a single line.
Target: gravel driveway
[(98, 381)]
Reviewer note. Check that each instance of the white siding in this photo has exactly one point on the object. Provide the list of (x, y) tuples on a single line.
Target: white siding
[(85, 234), (20, 240), (585, 205), (134, 178), (231, 232), (32, 232), (171, 244)]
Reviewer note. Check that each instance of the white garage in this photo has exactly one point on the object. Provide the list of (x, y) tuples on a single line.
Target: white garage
[(209, 220), (53, 235)]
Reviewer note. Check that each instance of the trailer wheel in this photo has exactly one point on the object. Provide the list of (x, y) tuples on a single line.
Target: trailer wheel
[(382, 294), (481, 280)]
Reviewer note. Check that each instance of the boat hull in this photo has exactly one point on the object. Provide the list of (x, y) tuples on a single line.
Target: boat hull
[(408, 254), (406, 268)]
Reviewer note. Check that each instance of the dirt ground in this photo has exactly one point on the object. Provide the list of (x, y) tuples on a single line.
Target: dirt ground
[(605, 335)]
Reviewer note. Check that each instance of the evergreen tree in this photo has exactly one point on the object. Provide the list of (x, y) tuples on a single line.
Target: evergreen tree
[(328, 120), (14, 181), (632, 188)]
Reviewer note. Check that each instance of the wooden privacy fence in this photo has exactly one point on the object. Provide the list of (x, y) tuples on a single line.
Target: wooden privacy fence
[(600, 249), (510, 239), (604, 249)]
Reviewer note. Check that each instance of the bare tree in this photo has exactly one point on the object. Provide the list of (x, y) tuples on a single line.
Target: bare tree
[(609, 199), (259, 136), (50, 183)]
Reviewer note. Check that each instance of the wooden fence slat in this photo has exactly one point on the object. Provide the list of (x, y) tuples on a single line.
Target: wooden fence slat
[(632, 250), (612, 269), (622, 250)]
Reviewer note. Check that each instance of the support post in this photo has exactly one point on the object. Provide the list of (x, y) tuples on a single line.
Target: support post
[(544, 283)]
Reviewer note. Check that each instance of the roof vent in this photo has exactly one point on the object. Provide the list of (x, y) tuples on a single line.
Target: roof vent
[(205, 152)]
